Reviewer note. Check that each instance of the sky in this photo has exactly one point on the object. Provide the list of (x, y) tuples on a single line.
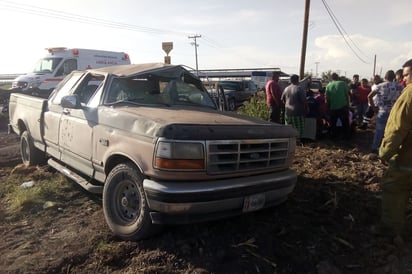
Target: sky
[(233, 34)]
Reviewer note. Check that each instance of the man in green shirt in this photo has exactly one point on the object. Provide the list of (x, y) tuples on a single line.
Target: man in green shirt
[(337, 101)]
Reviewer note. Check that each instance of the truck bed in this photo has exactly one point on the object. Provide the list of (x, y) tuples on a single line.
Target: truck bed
[(26, 113)]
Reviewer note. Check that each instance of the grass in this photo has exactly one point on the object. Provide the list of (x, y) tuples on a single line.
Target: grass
[(46, 189), (5, 86), (256, 107)]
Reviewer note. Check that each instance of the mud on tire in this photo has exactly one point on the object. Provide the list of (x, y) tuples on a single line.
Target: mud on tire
[(124, 204), (30, 155)]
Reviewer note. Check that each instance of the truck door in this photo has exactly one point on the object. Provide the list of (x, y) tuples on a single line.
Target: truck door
[(76, 127), (54, 112)]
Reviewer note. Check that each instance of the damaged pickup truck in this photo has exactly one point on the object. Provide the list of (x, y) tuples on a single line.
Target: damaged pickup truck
[(151, 140)]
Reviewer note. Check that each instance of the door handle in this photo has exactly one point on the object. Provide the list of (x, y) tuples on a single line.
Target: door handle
[(66, 111)]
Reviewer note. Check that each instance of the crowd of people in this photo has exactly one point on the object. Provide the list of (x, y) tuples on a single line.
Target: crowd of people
[(341, 106)]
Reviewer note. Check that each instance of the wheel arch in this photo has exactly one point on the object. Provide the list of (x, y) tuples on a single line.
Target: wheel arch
[(116, 159), (22, 127)]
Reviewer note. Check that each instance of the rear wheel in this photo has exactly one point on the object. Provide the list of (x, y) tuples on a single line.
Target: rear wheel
[(124, 204), (30, 155)]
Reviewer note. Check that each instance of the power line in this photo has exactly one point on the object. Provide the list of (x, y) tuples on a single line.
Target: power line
[(211, 42), (341, 27), (82, 19), (39, 11), (337, 25)]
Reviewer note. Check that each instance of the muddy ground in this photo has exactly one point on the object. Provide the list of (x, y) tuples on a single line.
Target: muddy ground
[(322, 228)]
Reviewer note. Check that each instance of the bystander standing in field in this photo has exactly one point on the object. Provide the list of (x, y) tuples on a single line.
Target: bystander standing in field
[(294, 98), (396, 150), (399, 77), (273, 94), (360, 100), (386, 94), (370, 111), (337, 100), (353, 86)]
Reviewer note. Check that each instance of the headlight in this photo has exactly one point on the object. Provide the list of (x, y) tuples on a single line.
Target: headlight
[(34, 84), (180, 155)]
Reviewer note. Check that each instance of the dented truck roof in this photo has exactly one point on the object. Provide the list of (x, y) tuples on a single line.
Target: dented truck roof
[(157, 69)]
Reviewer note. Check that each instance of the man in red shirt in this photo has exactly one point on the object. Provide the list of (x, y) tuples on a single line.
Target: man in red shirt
[(361, 100), (399, 78), (273, 94)]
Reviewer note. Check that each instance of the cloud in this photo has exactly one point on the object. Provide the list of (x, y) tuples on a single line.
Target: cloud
[(332, 51)]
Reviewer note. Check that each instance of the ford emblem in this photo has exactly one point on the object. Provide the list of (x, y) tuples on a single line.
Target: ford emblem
[(254, 156)]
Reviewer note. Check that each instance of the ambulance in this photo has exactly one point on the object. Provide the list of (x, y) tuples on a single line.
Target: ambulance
[(59, 62)]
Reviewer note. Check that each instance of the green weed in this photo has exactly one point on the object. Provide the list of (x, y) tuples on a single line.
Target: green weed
[(256, 107)]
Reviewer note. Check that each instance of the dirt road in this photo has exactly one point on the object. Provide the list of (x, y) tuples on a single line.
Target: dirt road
[(322, 228)]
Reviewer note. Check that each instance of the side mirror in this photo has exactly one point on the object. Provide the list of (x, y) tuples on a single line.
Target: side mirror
[(71, 101)]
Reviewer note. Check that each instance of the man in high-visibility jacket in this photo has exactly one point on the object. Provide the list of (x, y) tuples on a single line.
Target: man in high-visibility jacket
[(396, 150)]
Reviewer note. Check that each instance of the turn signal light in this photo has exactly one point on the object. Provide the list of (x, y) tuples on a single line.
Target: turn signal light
[(179, 164)]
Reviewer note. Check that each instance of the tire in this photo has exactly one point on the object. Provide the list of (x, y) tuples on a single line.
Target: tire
[(30, 155), (231, 104), (124, 204)]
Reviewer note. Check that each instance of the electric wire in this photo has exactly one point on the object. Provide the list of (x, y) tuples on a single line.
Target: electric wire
[(334, 20), (211, 42), (34, 10), (343, 29)]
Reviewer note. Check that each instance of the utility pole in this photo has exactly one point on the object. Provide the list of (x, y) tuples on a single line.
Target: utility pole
[(194, 37), (317, 64), (304, 39)]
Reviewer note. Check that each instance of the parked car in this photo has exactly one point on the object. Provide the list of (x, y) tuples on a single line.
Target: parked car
[(316, 85), (237, 92)]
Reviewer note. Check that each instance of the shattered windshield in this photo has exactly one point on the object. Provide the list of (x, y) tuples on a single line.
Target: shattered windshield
[(147, 91)]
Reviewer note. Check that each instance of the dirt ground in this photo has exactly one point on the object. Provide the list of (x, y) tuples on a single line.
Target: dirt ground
[(322, 228)]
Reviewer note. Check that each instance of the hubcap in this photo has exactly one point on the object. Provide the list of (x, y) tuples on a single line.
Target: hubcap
[(128, 201), (124, 202)]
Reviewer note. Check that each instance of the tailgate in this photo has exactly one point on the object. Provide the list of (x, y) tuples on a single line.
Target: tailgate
[(26, 111)]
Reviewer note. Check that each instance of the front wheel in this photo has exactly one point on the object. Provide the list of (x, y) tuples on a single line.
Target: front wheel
[(231, 104), (124, 204), (30, 155)]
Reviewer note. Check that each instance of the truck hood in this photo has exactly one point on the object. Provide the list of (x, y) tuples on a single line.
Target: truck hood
[(192, 123), (32, 77)]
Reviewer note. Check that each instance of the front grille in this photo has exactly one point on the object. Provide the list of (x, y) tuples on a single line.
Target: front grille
[(244, 155)]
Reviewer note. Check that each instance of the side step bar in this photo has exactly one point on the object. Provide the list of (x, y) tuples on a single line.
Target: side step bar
[(75, 177)]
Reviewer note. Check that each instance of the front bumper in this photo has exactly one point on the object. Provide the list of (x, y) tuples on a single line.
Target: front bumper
[(187, 202)]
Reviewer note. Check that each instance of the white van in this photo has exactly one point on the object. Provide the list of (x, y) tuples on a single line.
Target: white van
[(59, 62)]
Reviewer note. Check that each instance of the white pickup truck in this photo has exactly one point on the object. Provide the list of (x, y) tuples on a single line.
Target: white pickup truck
[(151, 140)]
